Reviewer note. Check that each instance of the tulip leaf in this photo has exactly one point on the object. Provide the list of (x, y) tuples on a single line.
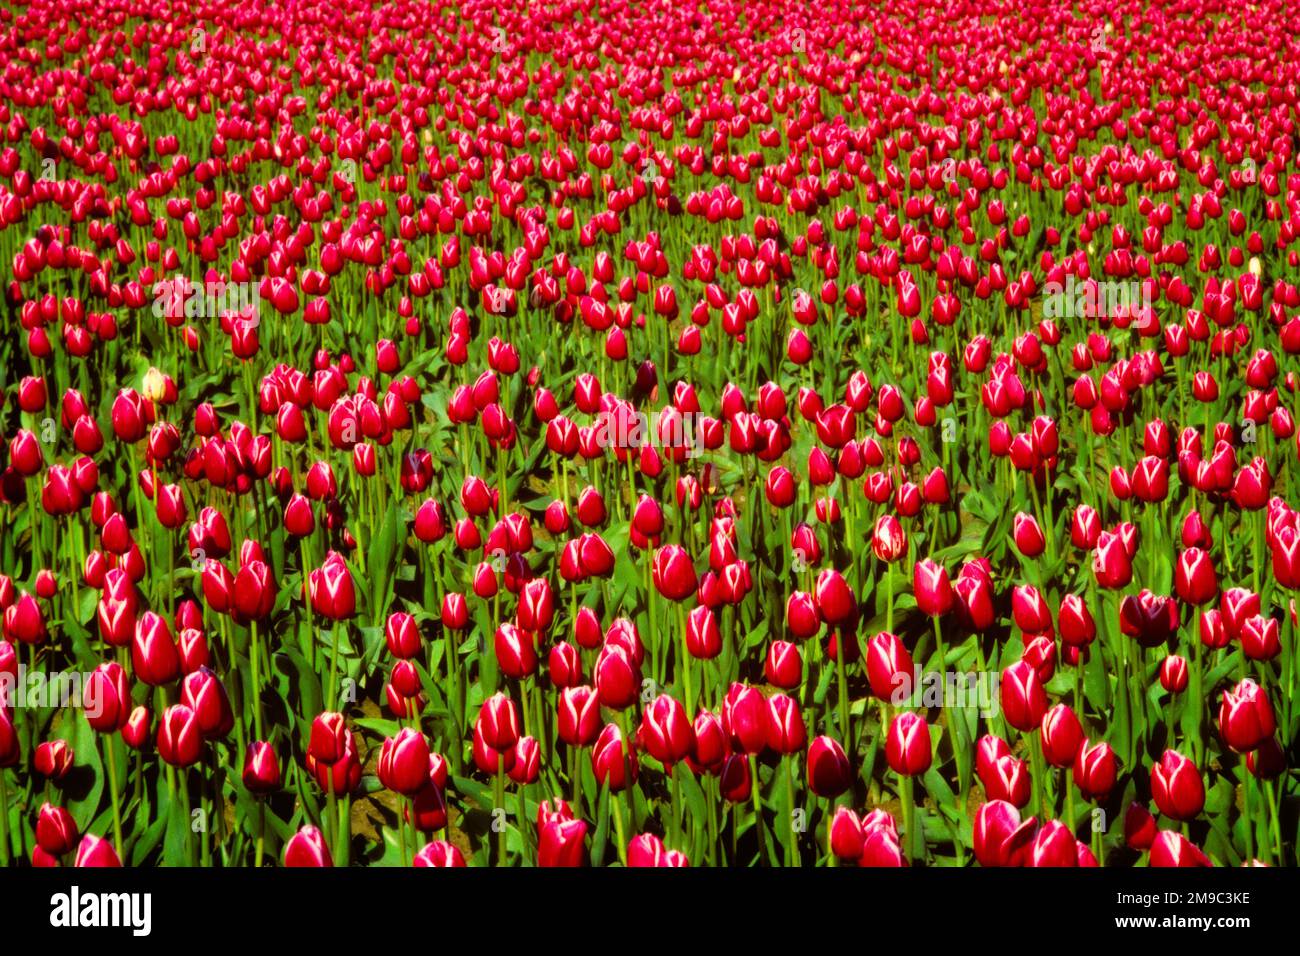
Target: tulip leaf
[(176, 844), (85, 743)]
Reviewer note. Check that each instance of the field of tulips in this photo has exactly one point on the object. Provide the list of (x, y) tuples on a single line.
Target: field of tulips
[(649, 433)]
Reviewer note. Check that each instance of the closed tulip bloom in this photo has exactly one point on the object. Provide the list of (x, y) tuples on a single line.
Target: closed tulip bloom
[(1173, 674), (586, 629), (734, 779), (1075, 622), (890, 669), (330, 586), (404, 762), (330, 737), (1194, 577), (666, 731), (1095, 770), (787, 733), (253, 595), (932, 588), (23, 620), (907, 747), (56, 831), (1176, 786), (783, 667), (1024, 702), (261, 768), (1139, 827), (745, 717), (1111, 563), (829, 772), (498, 719), (516, 652), (560, 843), (703, 639), (53, 759), (847, 837), (888, 540), (439, 853), (578, 716), (564, 665), (1236, 607), (1062, 736), (802, 616), (779, 487), (1260, 639), (711, 744), (613, 760), (1054, 845), (203, 692), (1007, 778), (455, 612), (1028, 535), (307, 848), (618, 679), (135, 732), (881, 848), (1171, 849), (487, 758), (674, 573), (528, 761), (834, 598), (106, 698), (1085, 527), (1246, 717), (430, 522), (987, 751), (180, 741), (402, 635), (154, 657), (647, 850), (1000, 839), (974, 601), (96, 852)]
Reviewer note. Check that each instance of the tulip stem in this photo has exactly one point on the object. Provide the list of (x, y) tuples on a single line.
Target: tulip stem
[(4, 820), (909, 817), (111, 760), (574, 780), (618, 823), (500, 805), (1246, 819), (889, 596), (677, 808), (791, 851), (261, 834), (257, 689), (344, 847), (843, 693), (334, 667), (686, 660), (1034, 743), (758, 805), (306, 602)]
